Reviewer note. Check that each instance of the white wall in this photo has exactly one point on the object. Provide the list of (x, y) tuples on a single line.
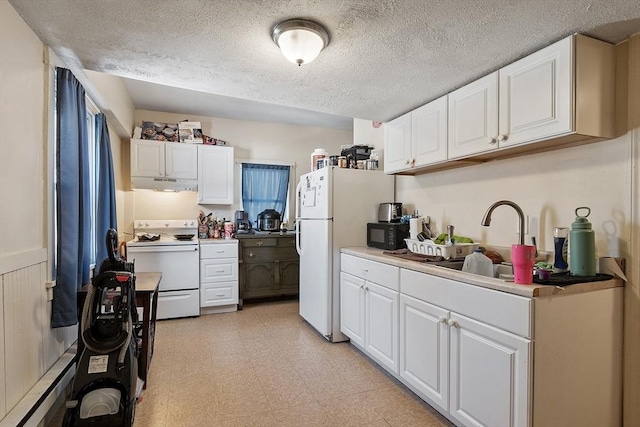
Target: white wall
[(547, 186), (251, 141), (28, 347)]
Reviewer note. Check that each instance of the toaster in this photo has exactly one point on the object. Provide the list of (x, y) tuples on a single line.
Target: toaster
[(389, 212)]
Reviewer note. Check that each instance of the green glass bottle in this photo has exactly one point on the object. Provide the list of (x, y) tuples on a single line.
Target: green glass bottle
[(582, 246)]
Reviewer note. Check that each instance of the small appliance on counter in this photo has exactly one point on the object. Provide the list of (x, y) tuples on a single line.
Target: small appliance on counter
[(243, 225), (269, 220), (389, 212), (387, 235)]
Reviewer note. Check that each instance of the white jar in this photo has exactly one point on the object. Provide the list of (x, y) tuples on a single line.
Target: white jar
[(318, 154)]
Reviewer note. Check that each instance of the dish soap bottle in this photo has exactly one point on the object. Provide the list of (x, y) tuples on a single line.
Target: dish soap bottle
[(582, 246), (478, 263)]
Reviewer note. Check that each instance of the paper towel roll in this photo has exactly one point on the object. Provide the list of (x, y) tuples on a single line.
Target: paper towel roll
[(415, 227)]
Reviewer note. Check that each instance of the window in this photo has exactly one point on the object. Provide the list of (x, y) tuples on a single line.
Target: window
[(94, 161), (265, 186)]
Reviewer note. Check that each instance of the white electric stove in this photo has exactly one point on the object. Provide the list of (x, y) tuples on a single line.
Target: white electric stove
[(171, 248)]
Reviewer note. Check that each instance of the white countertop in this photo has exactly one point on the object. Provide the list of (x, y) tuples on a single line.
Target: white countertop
[(530, 291)]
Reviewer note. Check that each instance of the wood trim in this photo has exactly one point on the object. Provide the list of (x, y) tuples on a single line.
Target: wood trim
[(595, 87), (631, 407), (20, 260)]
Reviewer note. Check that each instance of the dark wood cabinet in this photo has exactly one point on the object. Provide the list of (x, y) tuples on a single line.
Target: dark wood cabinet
[(269, 265)]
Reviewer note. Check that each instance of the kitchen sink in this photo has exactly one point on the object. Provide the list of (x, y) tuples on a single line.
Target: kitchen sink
[(452, 264), (499, 269)]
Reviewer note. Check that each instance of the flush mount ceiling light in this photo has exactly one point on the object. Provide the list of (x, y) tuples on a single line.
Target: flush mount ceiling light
[(300, 40)]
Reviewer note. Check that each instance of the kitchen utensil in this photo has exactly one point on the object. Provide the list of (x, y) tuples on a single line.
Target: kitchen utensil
[(269, 220), (184, 236), (421, 236), (389, 212)]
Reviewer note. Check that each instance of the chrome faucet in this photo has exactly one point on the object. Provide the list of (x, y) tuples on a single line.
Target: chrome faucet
[(486, 220)]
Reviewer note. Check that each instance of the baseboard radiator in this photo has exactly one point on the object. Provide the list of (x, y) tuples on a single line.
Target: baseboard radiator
[(34, 406)]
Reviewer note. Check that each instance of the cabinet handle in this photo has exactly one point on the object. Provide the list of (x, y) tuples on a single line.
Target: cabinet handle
[(453, 323), (492, 141), (260, 243), (361, 286), (366, 288), (406, 162), (442, 319), (251, 254), (502, 137)]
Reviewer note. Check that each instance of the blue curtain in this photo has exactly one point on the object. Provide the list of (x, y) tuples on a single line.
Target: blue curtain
[(264, 187), (106, 191), (72, 199)]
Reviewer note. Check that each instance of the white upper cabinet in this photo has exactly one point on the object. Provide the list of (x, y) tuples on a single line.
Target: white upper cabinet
[(157, 159), (397, 144), (560, 96), (215, 175), (147, 158), (417, 138), (536, 95), (429, 132), (181, 160), (473, 117)]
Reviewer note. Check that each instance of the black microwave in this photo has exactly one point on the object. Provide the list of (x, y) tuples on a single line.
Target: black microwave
[(387, 235)]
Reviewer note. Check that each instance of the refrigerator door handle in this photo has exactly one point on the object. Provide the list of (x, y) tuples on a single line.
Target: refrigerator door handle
[(298, 194), (298, 229)]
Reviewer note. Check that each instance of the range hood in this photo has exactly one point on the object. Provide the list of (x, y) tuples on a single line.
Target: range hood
[(168, 184)]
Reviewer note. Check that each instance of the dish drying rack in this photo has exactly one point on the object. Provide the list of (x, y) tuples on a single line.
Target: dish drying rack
[(428, 247)]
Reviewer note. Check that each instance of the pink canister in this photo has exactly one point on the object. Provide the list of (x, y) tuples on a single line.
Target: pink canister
[(228, 230)]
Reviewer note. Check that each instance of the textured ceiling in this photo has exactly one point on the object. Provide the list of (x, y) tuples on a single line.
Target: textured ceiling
[(384, 57)]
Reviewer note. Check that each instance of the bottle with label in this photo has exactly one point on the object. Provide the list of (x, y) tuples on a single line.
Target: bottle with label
[(478, 263), (318, 154), (582, 246), (560, 245)]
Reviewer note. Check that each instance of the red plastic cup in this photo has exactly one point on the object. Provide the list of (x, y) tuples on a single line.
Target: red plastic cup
[(523, 258)]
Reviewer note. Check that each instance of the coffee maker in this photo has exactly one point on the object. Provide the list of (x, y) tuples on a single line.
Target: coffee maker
[(243, 225)]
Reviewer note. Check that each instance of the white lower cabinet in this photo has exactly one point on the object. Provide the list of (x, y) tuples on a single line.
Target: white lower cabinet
[(381, 325), (424, 349), (218, 276), (489, 374), (369, 311), (469, 350)]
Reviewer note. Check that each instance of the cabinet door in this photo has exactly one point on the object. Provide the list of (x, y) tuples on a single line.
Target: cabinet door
[(215, 175), (259, 280), (289, 276), (352, 308), (147, 158), (429, 132), (181, 160), (473, 117), (381, 325), (536, 95), (490, 375), (424, 349), (397, 144)]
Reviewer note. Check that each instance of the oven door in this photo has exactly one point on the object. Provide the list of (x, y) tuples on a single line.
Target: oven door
[(179, 265)]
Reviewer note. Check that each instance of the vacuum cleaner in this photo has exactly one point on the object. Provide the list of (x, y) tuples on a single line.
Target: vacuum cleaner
[(106, 384)]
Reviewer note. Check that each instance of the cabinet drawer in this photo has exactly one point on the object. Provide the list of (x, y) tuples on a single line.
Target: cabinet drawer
[(223, 293), (250, 243), (382, 274), (287, 242), (268, 254), (218, 250), (218, 270), (509, 312)]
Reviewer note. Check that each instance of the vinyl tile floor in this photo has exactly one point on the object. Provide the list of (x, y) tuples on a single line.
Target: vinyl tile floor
[(264, 366)]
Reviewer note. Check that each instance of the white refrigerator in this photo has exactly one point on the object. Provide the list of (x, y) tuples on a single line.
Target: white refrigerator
[(333, 207)]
